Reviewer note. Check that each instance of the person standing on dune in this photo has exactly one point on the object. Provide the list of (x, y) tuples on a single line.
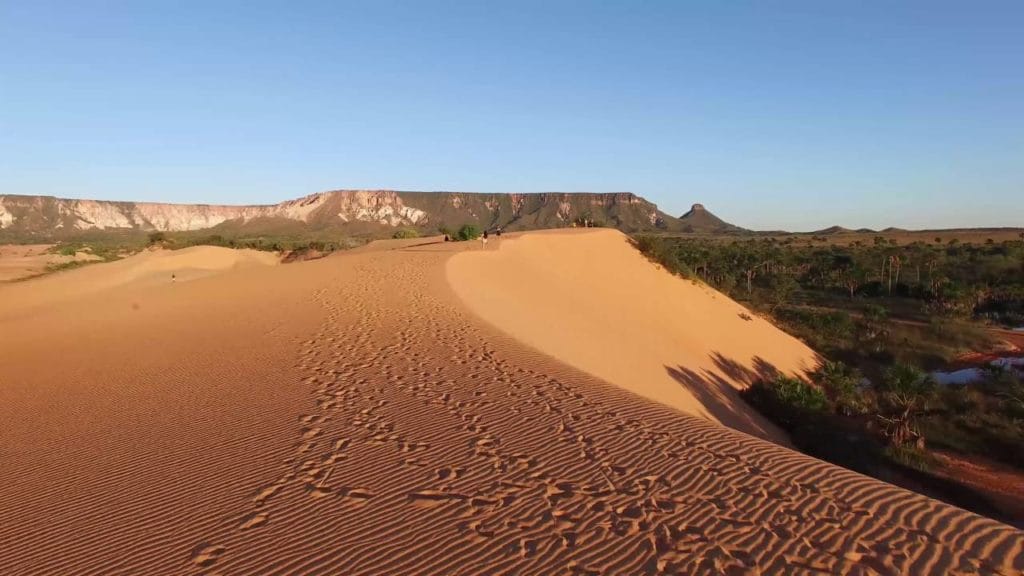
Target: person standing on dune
[(483, 240)]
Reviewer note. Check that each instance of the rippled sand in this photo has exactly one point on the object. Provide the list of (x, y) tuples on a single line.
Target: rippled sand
[(353, 415)]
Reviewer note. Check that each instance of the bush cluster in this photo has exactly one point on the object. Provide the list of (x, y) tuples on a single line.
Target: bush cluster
[(468, 232)]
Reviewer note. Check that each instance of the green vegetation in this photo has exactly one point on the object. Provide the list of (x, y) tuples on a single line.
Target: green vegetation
[(902, 396), (952, 280), (110, 246), (813, 422), (985, 417), (405, 233), (910, 457), (57, 267), (106, 250), (468, 232), (790, 402), (888, 429), (841, 385), (302, 243)]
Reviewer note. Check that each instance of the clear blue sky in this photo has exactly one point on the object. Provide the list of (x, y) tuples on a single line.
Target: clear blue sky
[(792, 115)]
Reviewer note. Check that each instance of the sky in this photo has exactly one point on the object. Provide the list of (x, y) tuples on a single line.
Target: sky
[(774, 115)]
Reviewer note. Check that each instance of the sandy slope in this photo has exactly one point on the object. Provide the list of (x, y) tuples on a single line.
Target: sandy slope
[(350, 416), (590, 299), (146, 270), (19, 261)]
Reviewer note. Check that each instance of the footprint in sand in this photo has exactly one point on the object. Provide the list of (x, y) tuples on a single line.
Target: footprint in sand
[(319, 491), (356, 494), (449, 472), (265, 493), (433, 498), (254, 520), (205, 555)]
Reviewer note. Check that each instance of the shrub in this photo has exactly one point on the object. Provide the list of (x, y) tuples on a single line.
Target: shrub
[(790, 402), (904, 393), (218, 240), (661, 251), (841, 384), (799, 394), (960, 399), (782, 287), (873, 328), (157, 238), (910, 457), (57, 267), (468, 232), (835, 325), (405, 233)]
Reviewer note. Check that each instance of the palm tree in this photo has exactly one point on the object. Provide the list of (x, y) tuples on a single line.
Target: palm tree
[(783, 286), (904, 394), (874, 327)]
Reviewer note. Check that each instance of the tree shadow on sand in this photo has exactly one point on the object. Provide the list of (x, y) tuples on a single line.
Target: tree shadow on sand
[(824, 440), (722, 400)]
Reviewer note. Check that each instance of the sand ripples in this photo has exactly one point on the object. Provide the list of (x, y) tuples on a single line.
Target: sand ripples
[(428, 443)]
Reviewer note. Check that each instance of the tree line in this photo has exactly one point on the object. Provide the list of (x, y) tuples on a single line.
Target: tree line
[(951, 279)]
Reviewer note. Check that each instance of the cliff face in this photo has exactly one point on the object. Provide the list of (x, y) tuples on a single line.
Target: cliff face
[(45, 216), (42, 214), (513, 211)]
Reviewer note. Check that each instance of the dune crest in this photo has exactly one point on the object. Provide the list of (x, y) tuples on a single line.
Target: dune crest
[(591, 300)]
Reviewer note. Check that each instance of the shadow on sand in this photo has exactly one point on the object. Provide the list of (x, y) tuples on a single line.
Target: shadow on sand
[(831, 441), (722, 400)]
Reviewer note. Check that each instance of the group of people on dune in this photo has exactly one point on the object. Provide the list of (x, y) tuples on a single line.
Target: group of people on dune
[(483, 237)]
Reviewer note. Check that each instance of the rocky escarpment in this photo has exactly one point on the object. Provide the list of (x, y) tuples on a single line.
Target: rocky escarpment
[(45, 217), (42, 214), (516, 211)]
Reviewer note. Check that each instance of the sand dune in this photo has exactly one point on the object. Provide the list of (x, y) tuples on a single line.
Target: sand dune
[(146, 270), (18, 261), (350, 415), (591, 300)]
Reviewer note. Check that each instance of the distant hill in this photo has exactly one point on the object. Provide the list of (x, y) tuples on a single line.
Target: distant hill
[(700, 220), (351, 211), (832, 230)]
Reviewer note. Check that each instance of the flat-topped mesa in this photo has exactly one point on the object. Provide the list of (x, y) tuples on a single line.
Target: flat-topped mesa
[(362, 211), (44, 216), (48, 216)]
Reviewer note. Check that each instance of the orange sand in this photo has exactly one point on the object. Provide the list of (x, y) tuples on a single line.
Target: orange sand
[(350, 415), (150, 269), (589, 299), (19, 261)]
